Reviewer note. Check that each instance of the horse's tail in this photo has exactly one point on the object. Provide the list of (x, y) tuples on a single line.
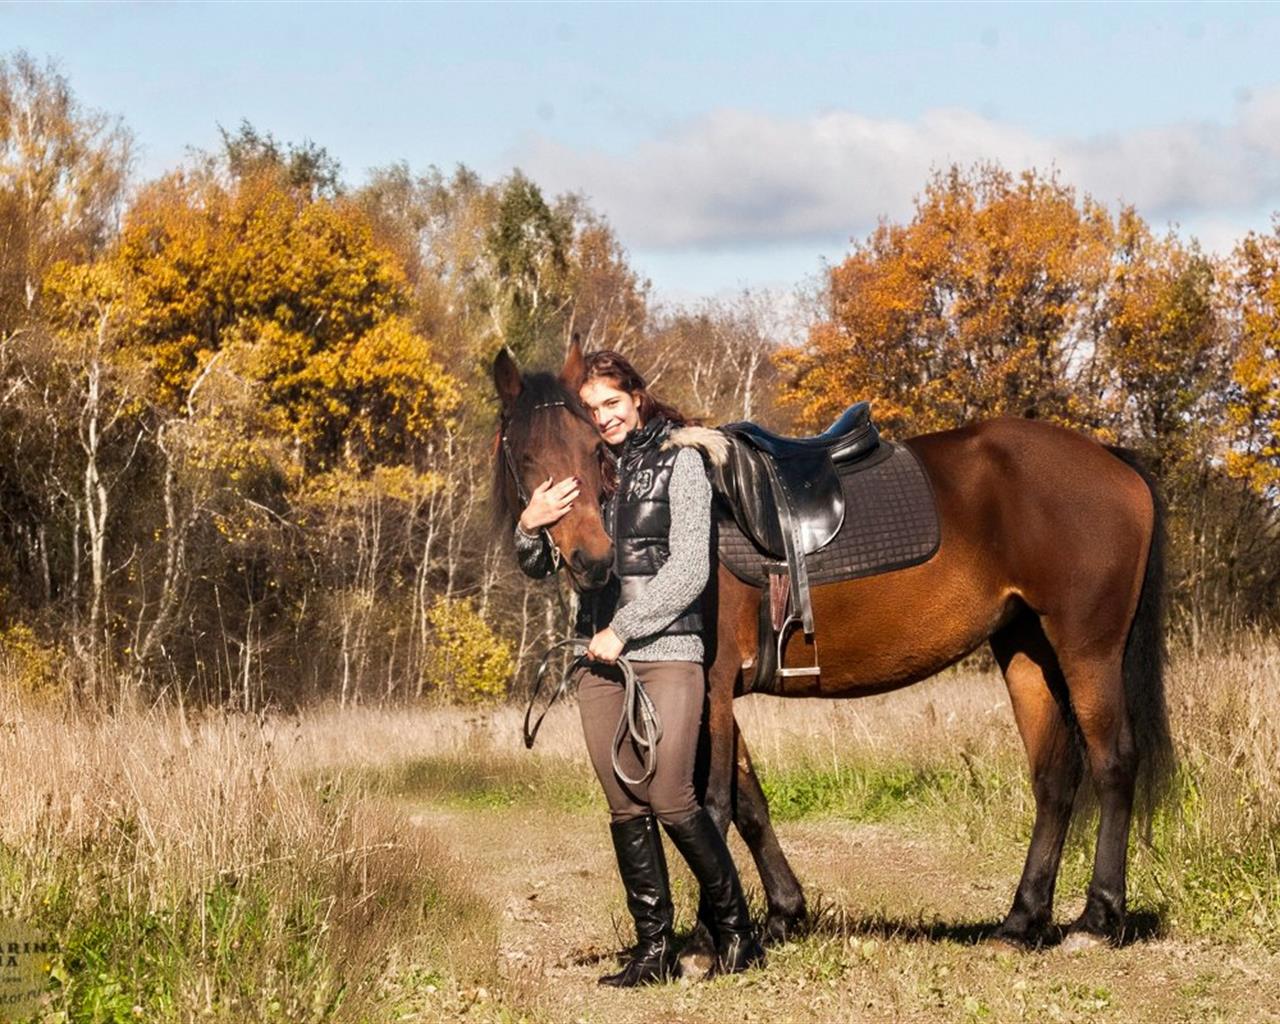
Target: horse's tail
[(1144, 660)]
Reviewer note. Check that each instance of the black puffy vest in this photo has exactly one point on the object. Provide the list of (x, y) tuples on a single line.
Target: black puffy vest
[(638, 518)]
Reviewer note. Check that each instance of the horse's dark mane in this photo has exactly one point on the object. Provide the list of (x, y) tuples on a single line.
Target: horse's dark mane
[(524, 429)]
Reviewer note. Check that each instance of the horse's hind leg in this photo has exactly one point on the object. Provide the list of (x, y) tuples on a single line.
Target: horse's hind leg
[(1038, 694), (1097, 695), (787, 912)]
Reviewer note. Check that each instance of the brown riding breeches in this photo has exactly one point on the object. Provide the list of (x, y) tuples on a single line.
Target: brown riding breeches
[(677, 689)]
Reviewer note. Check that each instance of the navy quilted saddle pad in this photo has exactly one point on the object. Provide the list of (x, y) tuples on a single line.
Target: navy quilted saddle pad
[(891, 522)]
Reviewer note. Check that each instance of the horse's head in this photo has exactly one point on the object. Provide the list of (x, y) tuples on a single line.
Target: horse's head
[(546, 431)]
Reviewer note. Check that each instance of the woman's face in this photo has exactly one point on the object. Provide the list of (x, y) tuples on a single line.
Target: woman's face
[(616, 412)]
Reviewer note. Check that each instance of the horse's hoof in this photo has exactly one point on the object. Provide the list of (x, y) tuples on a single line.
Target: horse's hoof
[(1000, 945), (695, 966), (1022, 936), (778, 928), (1080, 942), (698, 957)]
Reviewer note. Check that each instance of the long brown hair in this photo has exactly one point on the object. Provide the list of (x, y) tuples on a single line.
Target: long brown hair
[(617, 370)]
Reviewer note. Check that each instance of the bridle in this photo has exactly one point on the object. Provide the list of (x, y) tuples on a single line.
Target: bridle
[(556, 559)]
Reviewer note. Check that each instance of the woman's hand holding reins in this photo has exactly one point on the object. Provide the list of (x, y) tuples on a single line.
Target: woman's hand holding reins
[(605, 646), (549, 503)]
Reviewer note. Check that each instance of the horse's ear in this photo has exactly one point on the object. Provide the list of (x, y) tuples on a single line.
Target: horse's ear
[(574, 371), (506, 378)]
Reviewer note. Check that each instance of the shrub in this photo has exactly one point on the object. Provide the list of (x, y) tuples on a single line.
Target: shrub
[(469, 662)]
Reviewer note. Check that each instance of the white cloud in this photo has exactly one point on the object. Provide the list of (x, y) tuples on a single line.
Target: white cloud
[(735, 177)]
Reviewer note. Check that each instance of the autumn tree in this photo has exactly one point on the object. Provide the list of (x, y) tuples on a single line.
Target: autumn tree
[(296, 296), (83, 393), (973, 308), (282, 374), (1235, 507), (437, 228), (608, 300), (1253, 407), (1012, 295), (714, 360), (305, 167), (493, 264), (1158, 348), (63, 170)]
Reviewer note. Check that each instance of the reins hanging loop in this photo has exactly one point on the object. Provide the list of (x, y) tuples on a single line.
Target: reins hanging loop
[(638, 722), (531, 733)]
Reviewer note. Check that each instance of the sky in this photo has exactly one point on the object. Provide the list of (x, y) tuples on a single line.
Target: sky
[(730, 145)]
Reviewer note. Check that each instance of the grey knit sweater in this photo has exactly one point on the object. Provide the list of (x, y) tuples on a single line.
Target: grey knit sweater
[(640, 622)]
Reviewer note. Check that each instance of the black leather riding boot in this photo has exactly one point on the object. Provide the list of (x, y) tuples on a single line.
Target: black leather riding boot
[(702, 845), (643, 868)]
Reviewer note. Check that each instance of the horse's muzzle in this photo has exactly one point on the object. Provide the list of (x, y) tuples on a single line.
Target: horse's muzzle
[(593, 573)]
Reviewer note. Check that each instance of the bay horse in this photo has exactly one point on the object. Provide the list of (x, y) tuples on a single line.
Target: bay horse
[(1051, 551)]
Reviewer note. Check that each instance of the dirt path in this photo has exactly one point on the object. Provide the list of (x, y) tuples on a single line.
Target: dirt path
[(897, 914)]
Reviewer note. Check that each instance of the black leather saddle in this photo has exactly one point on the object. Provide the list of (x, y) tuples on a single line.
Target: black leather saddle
[(785, 494), (849, 437)]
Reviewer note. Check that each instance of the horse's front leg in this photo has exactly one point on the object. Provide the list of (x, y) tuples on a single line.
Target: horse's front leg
[(699, 952), (722, 732), (783, 895), (786, 909)]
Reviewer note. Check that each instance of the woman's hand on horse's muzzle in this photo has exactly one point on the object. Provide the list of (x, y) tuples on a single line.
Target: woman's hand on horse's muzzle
[(549, 503), (605, 646)]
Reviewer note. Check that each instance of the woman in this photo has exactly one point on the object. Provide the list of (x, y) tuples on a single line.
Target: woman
[(659, 515)]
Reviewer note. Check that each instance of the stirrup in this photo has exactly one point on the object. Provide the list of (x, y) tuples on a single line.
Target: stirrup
[(788, 624)]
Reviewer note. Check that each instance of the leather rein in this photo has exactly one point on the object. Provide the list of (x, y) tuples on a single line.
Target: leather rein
[(638, 722)]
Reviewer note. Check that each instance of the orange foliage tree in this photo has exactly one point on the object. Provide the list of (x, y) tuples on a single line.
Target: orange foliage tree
[(1160, 345), (975, 307), (1012, 295)]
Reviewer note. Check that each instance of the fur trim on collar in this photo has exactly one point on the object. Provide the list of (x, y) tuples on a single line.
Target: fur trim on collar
[(712, 442)]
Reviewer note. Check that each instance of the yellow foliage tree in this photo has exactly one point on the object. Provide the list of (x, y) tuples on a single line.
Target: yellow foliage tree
[(268, 344), (469, 661), (63, 169), (1160, 344), (30, 665), (1253, 407), (302, 301)]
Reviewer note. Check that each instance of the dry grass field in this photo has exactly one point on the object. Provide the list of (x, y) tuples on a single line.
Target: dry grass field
[(420, 865)]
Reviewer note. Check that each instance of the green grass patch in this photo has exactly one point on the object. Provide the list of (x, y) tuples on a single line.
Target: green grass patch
[(132, 950), (485, 782), (874, 791), (1208, 869), (304, 935), (1214, 858)]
